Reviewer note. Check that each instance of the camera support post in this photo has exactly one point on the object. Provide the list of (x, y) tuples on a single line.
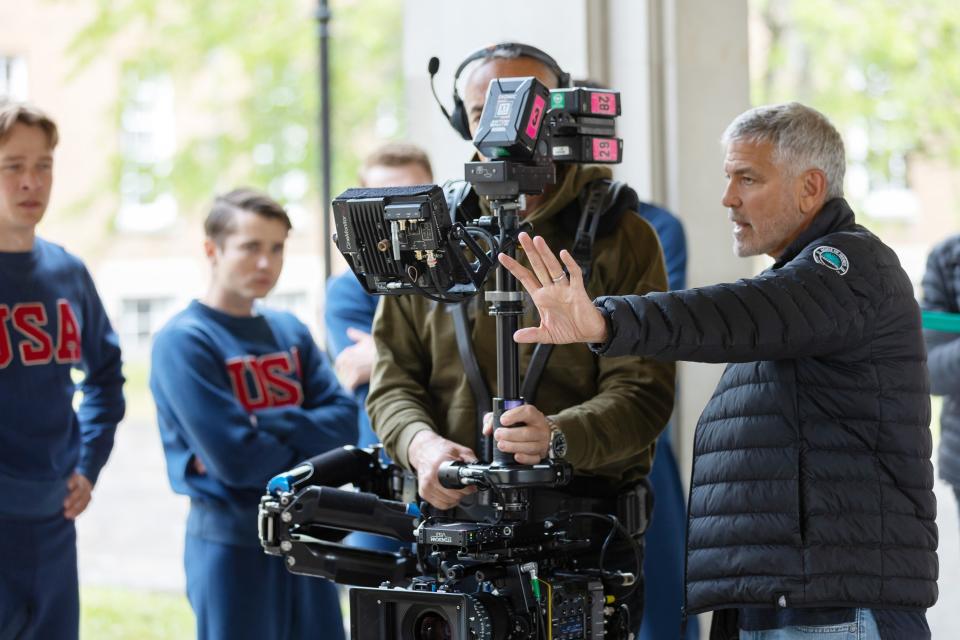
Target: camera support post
[(505, 184), (507, 306)]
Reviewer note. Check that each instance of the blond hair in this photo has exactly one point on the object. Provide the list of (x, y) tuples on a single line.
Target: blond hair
[(397, 154), (12, 113)]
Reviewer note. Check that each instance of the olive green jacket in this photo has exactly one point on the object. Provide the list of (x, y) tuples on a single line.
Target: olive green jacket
[(610, 409)]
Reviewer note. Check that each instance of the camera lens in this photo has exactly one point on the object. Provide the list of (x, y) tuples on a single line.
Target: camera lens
[(432, 625)]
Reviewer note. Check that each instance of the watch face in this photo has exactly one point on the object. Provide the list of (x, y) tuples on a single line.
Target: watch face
[(559, 444)]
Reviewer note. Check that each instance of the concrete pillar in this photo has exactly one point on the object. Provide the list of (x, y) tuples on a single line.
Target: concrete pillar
[(703, 65)]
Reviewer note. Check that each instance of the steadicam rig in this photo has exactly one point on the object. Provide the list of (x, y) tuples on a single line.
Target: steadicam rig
[(507, 563)]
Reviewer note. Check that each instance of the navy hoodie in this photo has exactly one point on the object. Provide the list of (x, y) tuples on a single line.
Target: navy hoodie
[(250, 397), (51, 322)]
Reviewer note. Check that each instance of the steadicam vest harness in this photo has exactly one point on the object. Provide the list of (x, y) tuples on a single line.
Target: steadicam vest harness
[(601, 204)]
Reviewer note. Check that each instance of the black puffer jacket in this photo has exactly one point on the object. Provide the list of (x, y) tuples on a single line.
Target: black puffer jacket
[(812, 481), (941, 292)]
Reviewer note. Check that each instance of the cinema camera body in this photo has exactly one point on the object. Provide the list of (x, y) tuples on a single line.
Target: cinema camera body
[(508, 563)]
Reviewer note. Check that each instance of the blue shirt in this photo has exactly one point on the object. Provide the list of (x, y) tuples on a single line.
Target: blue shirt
[(349, 305), (51, 322), (673, 241), (250, 397)]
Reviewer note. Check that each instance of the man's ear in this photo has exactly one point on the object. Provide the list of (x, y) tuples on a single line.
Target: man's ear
[(813, 191), (210, 250)]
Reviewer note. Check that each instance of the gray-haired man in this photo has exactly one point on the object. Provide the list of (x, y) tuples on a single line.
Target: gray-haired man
[(811, 512)]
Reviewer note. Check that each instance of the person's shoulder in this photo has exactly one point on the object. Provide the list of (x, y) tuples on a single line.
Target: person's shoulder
[(627, 257), (657, 215), (947, 249), (342, 283), (344, 288), (858, 243), (663, 221), (862, 258), (634, 236), (285, 319), (185, 325), (55, 255)]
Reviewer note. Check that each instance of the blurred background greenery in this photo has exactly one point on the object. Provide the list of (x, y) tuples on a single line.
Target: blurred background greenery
[(121, 614)]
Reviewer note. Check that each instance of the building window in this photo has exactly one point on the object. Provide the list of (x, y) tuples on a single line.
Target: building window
[(146, 147), (13, 78), (140, 318)]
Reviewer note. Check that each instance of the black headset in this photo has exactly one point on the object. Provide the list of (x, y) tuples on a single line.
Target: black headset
[(460, 119)]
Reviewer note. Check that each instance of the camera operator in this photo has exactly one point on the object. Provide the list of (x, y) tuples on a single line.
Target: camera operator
[(608, 411), (811, 509)]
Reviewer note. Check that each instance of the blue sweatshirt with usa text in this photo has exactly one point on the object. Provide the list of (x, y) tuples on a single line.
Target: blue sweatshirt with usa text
[(249, 397), (51, 322)]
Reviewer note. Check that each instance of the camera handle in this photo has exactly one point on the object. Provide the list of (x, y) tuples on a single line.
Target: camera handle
[(506, 305)]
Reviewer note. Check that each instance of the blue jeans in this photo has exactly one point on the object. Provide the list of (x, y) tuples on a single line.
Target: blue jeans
[(864, 627)]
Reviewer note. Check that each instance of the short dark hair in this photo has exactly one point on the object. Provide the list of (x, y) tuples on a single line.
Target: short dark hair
[(12, 113), (220, 221), (397, 154)]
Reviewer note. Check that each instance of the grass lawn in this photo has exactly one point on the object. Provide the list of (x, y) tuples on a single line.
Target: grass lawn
[(109, 613)]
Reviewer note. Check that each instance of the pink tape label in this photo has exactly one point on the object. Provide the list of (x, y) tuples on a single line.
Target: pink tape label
[(603, 103), (536, 116), (605, 150)]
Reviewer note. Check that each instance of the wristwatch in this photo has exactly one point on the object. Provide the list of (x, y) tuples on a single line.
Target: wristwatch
[(558, 442)]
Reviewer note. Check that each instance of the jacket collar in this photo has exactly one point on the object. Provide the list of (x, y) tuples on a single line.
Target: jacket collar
[(835, 215)]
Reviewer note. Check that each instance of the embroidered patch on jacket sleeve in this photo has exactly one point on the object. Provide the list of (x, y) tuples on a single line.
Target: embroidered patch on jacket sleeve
[(831, 258)]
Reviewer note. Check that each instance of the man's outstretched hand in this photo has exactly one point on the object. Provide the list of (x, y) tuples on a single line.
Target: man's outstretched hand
[(567, 313)]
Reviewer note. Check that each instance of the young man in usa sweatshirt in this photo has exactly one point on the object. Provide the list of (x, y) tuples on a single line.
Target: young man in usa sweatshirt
[(242, 394), (51, 322)]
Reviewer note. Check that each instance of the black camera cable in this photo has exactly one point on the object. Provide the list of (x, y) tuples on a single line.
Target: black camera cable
[(617, 526)]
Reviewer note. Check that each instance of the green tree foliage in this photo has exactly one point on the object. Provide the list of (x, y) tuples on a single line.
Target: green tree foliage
[(888, 68), (245, 81)]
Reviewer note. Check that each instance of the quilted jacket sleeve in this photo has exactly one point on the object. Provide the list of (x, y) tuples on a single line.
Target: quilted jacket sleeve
[(800, 309)]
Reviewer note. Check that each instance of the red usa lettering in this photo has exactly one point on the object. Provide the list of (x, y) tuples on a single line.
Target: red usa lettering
[(265, 381), (30, 320)]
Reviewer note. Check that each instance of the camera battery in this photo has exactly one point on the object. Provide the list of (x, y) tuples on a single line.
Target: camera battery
[(588, 149), (512, 118), (587, 102)]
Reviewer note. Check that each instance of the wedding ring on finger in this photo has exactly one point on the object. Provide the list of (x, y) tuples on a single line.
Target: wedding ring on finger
[(558, 278)]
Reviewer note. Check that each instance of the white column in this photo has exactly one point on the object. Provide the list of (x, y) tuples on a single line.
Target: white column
[(705, 69)]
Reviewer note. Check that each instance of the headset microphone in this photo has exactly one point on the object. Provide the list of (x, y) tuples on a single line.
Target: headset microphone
[(458, 117), (432, 67)]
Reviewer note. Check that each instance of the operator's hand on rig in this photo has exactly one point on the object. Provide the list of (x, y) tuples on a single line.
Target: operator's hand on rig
[(567, 313), (528, 443), (354, 364), (427, 451)]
